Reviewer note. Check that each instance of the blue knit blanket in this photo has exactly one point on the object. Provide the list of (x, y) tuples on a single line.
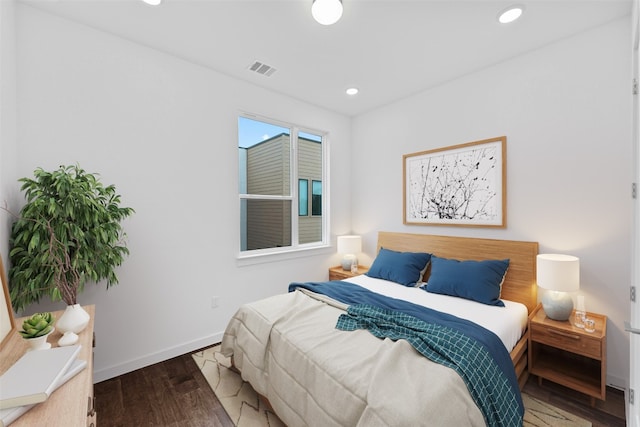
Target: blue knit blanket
[(475, 353)]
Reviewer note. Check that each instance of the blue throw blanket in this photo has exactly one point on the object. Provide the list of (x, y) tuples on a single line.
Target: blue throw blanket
[(475, 353)]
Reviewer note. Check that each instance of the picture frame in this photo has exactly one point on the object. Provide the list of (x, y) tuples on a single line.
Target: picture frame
[(7, 320), (459, 185)]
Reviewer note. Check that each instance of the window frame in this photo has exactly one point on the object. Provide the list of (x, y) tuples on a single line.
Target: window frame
[(296, 248)]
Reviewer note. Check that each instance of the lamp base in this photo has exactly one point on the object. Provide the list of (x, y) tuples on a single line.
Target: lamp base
[(557, 305), (347, 261)]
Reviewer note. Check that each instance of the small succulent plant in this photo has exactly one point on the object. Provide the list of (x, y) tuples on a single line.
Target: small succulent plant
[(37, 325)]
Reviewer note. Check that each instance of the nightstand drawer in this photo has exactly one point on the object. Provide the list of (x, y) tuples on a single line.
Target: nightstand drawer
[(337, 273), (567, 340)]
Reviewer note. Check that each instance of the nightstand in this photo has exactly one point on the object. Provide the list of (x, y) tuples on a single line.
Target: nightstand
[(567, 355), (337, 273)]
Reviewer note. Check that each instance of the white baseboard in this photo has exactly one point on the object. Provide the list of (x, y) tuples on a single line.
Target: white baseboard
[(160, 356), (619, 383)]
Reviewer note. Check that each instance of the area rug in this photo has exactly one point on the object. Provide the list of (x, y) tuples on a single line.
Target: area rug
[(247, 409)]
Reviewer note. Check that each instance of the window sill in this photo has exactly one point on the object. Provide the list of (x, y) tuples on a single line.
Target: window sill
[(259, 258)]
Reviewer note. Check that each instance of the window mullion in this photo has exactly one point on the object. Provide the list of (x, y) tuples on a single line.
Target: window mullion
[(265, 197), (294, 187)]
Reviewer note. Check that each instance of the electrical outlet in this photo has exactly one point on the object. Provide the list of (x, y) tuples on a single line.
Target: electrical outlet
[(215, 301)]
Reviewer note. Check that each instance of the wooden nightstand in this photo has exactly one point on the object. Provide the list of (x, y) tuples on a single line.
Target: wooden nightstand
[(337, 273), (567, 355)]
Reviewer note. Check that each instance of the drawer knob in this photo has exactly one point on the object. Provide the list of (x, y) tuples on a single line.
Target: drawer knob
[(91, 410)]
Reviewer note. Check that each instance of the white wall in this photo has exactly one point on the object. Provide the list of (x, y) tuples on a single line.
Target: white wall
[(164, 131), (565, 110), (7, 119)]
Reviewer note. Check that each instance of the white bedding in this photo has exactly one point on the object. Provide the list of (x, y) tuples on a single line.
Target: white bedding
[(508, 322), (313, 374), (288, 349)]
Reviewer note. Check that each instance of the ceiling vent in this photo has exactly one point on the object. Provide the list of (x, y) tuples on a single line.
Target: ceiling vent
[(262, 68)]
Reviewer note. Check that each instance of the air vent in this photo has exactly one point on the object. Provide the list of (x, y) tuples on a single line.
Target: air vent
[(262, 68)]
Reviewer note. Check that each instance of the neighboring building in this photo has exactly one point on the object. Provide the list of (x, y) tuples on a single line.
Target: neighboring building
[(265, 170)]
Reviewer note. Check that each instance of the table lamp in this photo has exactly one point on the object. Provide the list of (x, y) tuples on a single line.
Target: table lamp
[(558, 274), (349, 246)]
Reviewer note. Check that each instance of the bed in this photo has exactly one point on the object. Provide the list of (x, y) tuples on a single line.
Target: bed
[(308, 353)]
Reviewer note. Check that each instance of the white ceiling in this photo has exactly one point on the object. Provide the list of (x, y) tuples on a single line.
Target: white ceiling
[(388, 49)]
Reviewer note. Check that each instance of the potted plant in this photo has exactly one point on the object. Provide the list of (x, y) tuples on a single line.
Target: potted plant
[(36, 328), (67, 233)]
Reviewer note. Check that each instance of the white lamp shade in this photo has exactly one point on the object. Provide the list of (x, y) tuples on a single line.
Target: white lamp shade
[(326, 12), (557, 272), (349, 244)]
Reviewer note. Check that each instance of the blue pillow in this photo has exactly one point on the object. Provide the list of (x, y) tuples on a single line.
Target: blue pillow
[(405, 268), (475, 280)]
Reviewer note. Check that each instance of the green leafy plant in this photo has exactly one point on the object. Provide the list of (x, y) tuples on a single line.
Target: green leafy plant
[(67, 233), (37, 325)]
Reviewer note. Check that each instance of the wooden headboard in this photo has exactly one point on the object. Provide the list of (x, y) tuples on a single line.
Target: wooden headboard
[(520, 282)]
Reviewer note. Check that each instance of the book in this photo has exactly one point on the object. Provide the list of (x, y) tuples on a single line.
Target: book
[(32, 378), (9, 415)]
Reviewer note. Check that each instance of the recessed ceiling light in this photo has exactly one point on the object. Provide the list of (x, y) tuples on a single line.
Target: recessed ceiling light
[(326, 12), (352, 91), (152, 2), (510, 14)]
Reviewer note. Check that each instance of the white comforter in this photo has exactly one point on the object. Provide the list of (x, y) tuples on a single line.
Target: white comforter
[(508, 322), (287, 347)]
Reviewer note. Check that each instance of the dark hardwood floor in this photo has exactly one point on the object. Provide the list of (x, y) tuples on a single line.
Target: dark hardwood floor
[(610, 413), (170, 393), (174, 393)]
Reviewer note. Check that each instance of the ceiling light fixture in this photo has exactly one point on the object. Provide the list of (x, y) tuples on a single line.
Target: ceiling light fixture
[(152, 2), (326, 12), (352, 91), (510, 14)]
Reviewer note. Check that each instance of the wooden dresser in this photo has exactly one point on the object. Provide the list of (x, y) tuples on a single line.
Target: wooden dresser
[(71, 405)]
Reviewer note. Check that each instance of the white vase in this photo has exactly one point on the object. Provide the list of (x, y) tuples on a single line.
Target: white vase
[(68, 338), (74, 319)]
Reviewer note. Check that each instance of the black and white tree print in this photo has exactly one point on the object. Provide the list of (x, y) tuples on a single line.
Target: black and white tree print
[(457, 185)]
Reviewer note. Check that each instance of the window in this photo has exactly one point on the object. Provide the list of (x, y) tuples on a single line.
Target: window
[(303, 197), (273, 157), (316, 198)]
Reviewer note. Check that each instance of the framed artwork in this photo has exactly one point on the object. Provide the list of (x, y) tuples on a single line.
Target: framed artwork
[(462, 185), (7, 322)]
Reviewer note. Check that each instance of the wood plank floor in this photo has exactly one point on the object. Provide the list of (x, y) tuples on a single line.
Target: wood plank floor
[(610, 413), (174, 393)]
